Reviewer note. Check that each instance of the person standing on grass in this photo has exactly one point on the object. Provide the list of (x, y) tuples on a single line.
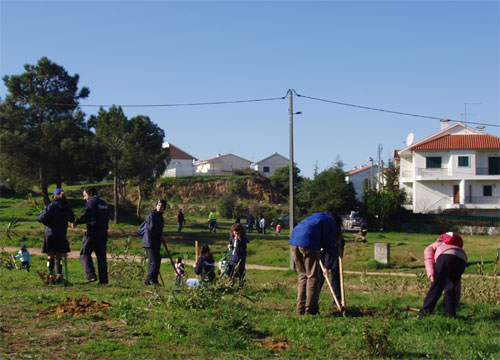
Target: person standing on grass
[(262, 223), (24, 256), (96, 218), (152, 240), (313, 233), (238, 252), (180, 220), (445, 262), (56, 217), (212, 221), (250, 223)]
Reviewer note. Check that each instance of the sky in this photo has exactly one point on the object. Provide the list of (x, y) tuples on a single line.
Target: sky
[(431, 58)]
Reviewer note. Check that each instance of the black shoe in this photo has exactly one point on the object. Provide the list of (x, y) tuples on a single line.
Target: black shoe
[(147, 282), (421, 314), (91, 280)]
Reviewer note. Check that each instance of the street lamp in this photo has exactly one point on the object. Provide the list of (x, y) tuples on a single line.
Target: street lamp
[(371, 173)]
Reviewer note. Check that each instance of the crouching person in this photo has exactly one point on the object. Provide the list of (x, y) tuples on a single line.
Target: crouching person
[(445, 262), (205, 265)]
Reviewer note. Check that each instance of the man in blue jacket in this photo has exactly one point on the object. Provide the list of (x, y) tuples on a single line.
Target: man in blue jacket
[(311, 234), (96, 217), (152, 240)]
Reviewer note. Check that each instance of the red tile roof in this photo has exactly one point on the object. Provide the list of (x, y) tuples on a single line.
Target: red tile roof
[(352, 172), (176, 153), (456, 142)]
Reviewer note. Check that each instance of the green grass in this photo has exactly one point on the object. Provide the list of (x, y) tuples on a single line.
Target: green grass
[(164, 323), (221, 323)]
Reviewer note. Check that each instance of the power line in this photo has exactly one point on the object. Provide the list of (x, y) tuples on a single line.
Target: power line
[(389, 111), (169, 105)]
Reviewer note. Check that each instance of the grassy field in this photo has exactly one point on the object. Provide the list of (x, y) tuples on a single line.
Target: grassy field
[(132, 321)]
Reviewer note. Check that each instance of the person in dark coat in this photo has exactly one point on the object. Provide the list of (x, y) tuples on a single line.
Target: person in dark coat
[(238, 252), (152, 240), (96, 218), (205, 264), (311, 234), (331, 261), (56, 217), (180, 220), (250, 223)]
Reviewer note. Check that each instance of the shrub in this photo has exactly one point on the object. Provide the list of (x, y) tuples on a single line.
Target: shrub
[(226, 206)]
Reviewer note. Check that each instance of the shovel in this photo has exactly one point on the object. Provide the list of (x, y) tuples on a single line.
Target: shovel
[(330, 286)]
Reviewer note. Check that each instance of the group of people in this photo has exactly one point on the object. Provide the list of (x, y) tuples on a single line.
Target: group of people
[(318, 240), (315, 243), (56, 217)]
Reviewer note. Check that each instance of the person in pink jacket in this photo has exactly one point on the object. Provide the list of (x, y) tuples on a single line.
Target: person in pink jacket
[(445, 262)]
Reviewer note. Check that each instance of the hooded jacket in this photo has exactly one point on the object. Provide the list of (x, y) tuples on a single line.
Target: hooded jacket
[(154, 230), (56, 217)]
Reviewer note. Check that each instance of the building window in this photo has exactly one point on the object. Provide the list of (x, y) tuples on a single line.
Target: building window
[(463, 161), (266, 169), (433, 162), (487, 190)]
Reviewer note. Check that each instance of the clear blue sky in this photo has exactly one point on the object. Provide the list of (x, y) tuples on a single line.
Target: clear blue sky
[(424, 57)]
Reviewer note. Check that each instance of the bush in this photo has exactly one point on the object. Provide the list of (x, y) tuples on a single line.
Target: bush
[(226, 206)]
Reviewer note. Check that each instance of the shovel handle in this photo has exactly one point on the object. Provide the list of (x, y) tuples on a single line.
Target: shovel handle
[(330, 286)]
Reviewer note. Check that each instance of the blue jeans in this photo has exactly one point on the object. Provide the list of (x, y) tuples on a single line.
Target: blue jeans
[(212, 226)]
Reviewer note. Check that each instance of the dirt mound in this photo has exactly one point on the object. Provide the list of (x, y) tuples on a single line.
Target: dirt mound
[(79, 306)]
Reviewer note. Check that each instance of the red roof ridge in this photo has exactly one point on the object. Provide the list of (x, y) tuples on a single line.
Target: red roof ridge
[(460, 141)]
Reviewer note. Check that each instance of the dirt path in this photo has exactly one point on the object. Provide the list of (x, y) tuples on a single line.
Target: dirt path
[(76, 255)]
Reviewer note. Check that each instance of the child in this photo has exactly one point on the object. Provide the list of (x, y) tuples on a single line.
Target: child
[(445, 262), (179, 273), (238, 252), (25, 257), (278, 229), (205, 265)]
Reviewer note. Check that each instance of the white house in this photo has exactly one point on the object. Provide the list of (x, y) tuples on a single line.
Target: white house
[(181, 163), (357, 176), (221, 164), (455, 168), (268, 166)]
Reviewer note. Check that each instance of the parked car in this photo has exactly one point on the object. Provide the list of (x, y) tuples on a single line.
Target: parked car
[(353, 221)]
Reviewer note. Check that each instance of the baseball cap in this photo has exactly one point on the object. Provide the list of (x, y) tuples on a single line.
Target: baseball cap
[(58, 191), (163, 202)]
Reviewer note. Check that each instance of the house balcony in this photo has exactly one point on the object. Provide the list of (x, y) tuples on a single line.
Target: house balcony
[(487, 171), (433, 172), (495, 200)]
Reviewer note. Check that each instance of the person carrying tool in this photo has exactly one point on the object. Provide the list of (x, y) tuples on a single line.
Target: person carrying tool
[(152, 239), (311, 234), (331, 261), (56, 217), (24, 256), (96, 218), (445, 262)]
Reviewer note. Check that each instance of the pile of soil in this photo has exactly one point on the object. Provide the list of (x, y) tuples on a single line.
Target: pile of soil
[(78, 306)]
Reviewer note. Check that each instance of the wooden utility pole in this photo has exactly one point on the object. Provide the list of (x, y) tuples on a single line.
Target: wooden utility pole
[(291, 215)]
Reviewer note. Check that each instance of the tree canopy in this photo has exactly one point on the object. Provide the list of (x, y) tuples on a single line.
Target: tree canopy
[(44, 134), (330, 191)]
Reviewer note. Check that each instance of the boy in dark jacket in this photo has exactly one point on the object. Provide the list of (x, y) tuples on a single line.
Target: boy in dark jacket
[(152, 240)]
